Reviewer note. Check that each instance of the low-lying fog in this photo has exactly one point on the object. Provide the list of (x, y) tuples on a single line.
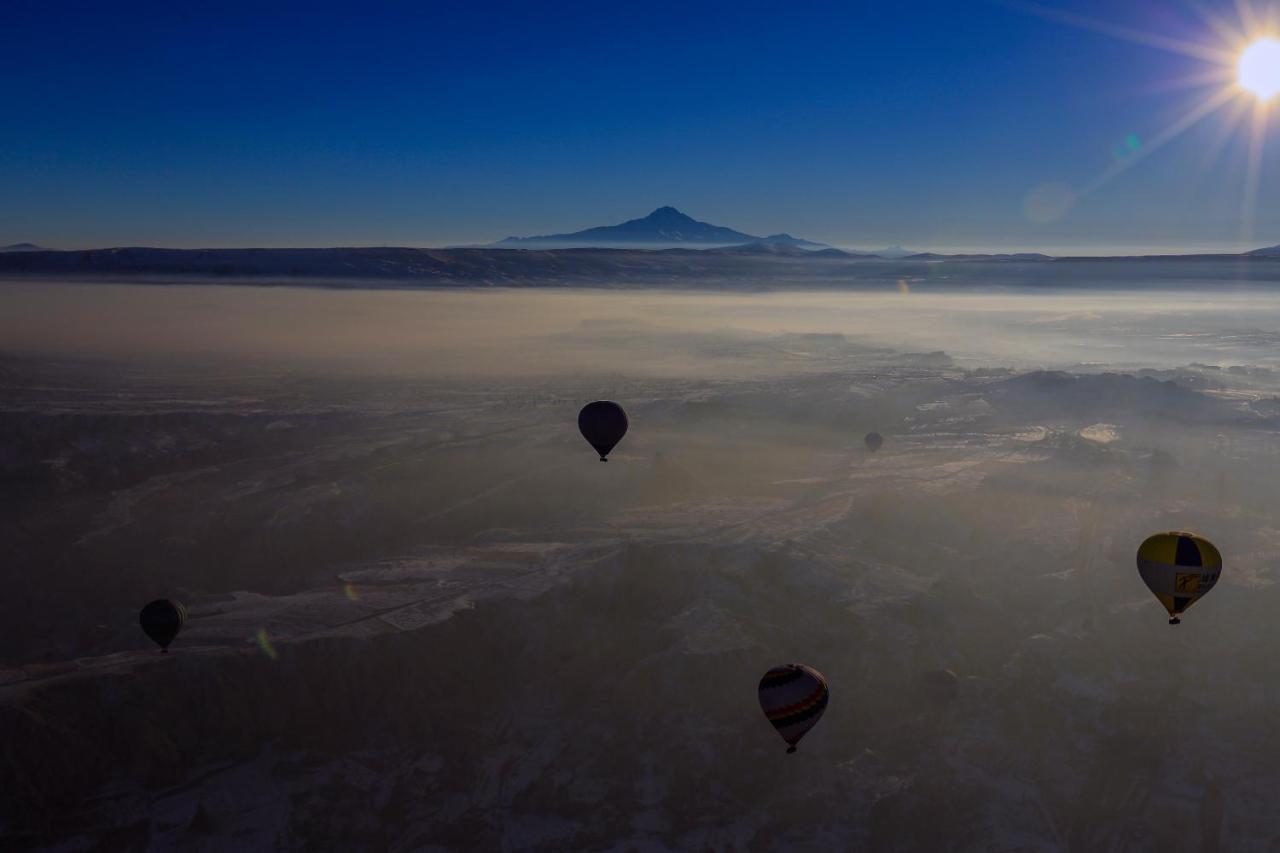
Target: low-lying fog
[(423, 616), (532, 332)]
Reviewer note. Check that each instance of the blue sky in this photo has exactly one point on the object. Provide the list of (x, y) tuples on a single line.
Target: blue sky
[(857, 124)]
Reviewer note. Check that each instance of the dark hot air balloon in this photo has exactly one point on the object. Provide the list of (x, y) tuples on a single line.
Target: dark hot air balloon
[(793, 697), (603, 424), (161, 620), (1178, 568), (874, 440)]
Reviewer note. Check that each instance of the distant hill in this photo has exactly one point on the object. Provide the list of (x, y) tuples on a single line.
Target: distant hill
[(779, 249), (665, 226), (786, 250), (1014, 256), (438, 267), (752, 265), (894, 252), (23, 247), (1268, 251), (788, 240)]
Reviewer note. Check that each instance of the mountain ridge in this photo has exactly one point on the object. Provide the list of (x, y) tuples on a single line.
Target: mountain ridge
[(751, 266), (664, 226)]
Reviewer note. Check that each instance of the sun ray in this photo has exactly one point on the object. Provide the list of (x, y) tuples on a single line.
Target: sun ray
[(1247, 18), (1253, 172), (1215, 76), (1227, 129), (1219, 55), (1164, 137), (1229, 33)]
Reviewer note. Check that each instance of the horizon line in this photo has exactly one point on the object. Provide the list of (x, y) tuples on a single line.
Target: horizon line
[(1072, 252)]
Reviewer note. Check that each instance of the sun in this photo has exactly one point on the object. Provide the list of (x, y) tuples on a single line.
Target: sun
[(1235, 67), (1259, 68)]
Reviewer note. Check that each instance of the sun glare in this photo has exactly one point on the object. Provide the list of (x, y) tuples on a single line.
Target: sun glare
[(1259, 68), (1238, 54)]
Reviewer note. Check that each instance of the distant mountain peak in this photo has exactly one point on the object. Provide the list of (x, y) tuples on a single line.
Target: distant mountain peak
[(666, 217), (22, 247), (665, 226)]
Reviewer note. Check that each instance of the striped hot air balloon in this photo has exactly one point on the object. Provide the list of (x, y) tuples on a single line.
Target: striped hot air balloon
[(793, 697), (1178, 568)]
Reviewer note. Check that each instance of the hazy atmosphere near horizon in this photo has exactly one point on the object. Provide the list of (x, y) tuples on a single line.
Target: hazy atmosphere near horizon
[(640, 428)]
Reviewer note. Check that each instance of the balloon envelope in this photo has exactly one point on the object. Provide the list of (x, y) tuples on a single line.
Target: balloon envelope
[(602, 424), (1178, 568), (161, 620), (874, 440), (793, 698)]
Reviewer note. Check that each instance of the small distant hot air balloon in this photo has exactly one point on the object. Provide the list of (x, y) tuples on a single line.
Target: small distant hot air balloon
[(874, 440), (602, 424), (942, 686), (793, 697), (161, 620), (1178, 568)]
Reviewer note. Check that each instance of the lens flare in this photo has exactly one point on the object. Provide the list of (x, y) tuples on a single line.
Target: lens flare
[(1127, 146), (1259, 68), (264, 643)]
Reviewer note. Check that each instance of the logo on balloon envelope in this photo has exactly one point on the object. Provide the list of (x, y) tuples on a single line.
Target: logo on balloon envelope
[(1179, 568)]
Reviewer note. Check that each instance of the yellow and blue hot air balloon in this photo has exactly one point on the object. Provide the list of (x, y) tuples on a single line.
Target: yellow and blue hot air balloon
[(1178, 568), (793, 697)]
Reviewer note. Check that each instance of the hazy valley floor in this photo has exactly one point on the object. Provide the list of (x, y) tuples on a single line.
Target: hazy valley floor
[(424, 617)]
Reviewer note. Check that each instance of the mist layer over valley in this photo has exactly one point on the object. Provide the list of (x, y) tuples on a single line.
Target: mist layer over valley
[(423, 616)]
